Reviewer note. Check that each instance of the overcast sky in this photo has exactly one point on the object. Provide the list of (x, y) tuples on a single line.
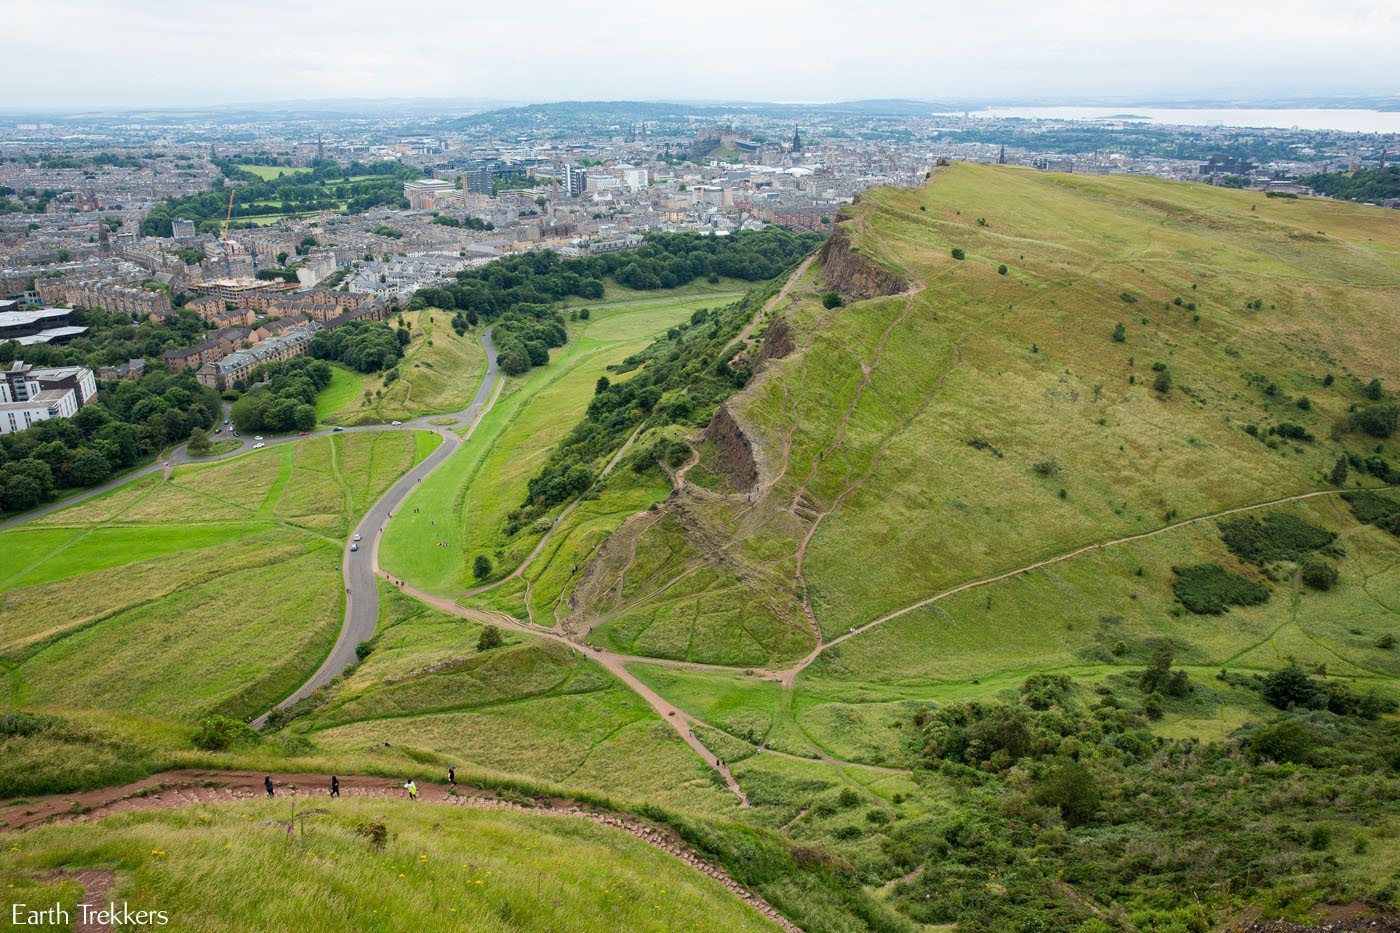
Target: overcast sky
[(117, 53)]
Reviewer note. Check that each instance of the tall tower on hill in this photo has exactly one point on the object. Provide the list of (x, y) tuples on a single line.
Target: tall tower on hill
[(796, 140)]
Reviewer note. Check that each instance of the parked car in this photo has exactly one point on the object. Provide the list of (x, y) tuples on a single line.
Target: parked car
[(337, 430), (257, 437), (259, 446)]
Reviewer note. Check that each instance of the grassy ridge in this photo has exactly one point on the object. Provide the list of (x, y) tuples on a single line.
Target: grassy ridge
[(439, 372), (222, 868)]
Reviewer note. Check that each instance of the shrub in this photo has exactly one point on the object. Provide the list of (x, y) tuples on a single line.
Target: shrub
[(1209, 589), (1386, 642), (217, 733), (1120, 333), (1046, 467), (958, 253), (1286, 742), (481, 567), (364, 649), (1376, 420), (1071, 789), (1163, 382), (1318, 573), (832, 300), (1275, 536), (1001, 269), (490, 638)]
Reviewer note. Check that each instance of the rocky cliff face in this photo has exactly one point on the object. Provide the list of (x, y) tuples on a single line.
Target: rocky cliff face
[(734, 454), (855, 275), (777, 343)]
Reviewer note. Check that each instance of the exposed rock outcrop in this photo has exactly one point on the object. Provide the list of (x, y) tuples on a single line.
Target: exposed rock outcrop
[(852, 274), (777, 343), (734, 453)]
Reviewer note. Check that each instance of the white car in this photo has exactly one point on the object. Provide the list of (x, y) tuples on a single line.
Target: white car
[(257, 437), (259, 446), (357, 536), (396, 422), (354, 547)]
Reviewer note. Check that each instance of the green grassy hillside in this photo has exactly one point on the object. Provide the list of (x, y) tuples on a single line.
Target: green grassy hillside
[(442, 867), (1026, 464), (439, 373), (215, 590)]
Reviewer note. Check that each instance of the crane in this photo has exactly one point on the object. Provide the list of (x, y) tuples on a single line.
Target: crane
[(228, 218)]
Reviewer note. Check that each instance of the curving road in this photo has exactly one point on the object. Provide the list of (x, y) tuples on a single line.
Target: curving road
[(358, 566)]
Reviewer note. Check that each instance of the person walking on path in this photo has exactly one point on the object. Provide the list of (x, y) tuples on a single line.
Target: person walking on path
[(452, 775), (267, 784), (412, 789), (335, 786)]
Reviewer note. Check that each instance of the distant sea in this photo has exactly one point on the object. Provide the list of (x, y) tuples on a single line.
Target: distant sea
[(1347, 121)]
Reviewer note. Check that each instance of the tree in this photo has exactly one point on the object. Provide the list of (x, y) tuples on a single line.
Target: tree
[(481, 567), (1159, 676), (1339, 471), (199, 443), (1373, 390), (1289, 687), (1163, 382), (832, 300), (89, 467), (490, 638), (601, 385)]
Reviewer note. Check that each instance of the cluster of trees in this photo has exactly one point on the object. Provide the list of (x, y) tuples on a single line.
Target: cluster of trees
[(325, 187), (127, 422), (365, 346), (469, 222), (524, 336), (1367, 184), (112, 338), (665, 260), (286, 400)]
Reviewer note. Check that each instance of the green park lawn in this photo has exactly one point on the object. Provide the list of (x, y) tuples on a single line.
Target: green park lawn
[(266, 172), (217, 590)]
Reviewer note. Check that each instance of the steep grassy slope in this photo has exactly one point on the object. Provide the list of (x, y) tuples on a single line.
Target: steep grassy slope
[(984, 421), (438, 373)]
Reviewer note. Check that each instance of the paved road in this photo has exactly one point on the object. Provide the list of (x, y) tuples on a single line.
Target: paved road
[(362, 594)]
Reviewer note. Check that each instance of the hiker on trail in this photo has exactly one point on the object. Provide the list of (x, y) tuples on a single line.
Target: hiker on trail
[(412, 789), (267, 784), (335, 786), (452, 775)]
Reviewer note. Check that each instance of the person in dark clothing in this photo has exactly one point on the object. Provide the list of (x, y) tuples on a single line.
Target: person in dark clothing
[(335, 786), (267, 784), (452, 775)]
